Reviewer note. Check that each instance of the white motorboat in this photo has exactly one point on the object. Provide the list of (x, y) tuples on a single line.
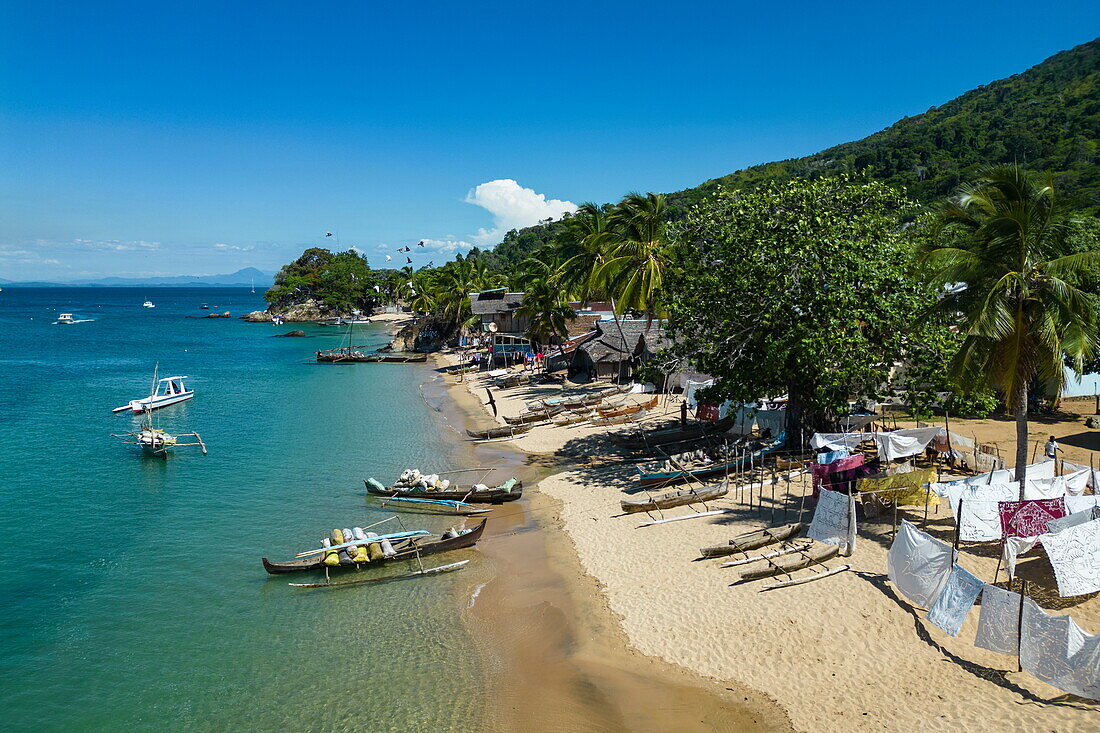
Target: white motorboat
[(167, 391), (148, 304), (65, 319), (277, 320)]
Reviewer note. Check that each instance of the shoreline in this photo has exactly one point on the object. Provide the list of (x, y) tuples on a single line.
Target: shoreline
[(845, 653), (555, 650)]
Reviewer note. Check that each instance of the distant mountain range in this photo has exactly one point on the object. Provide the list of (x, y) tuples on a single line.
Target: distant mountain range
[(245, 277)]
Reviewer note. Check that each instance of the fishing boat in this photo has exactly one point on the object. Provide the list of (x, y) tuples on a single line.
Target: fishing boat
[(600, 421), (571, 417), (353, 354), (814, 555), (432, 506), (277, 321), (148, 304), (676, 434), (504, 432), (753, 540), (66, 319), (164, 392), (365, 551), (575, 402), (627, 409), (156, 442), (531, 417), (676, 470), (510, 490), (676, 498), (204, 306)]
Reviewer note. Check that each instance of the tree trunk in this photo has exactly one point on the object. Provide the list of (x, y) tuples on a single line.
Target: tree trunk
[(1021, 439)]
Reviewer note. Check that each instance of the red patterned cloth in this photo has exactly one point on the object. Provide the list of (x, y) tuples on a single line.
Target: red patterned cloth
[(1029, 518), (838, 475), (707, 412)]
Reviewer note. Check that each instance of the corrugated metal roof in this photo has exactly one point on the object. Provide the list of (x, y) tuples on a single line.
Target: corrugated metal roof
[(494, 301)]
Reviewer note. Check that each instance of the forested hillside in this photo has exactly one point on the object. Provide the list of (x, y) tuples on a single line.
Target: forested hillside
[(1046, 119)]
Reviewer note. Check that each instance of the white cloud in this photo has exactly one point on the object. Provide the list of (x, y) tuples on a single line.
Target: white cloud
[(116, 245), (513, 207), (221, 247), (447, 245)]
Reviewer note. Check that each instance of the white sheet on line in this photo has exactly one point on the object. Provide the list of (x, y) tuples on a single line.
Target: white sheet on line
[(691, 387), (839, 441), (1092, 478), (981, 519), (1074, 553), (918, 564), (904, 443), (998, 620), (1056, 650), (955, 600), (834, 520), (1078, 504), (1046, 488)]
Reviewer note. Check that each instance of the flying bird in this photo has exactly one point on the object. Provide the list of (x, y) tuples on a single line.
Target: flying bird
[(328, 234), (388, 258), (406, 250), (492, 401), (377, 289), (408, 261), (420, 243)]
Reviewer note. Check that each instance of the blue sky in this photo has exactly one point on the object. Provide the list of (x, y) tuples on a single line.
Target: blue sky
[(197, 138)]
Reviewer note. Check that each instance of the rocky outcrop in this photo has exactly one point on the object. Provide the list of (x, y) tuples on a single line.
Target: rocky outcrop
[(424, 335), (218, 315), (309, 310), (291, 334)]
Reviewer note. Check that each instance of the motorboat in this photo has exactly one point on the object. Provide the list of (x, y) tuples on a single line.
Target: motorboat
[(167, 391), (204, 306), (276, 320), (148, 304), (65, 319)]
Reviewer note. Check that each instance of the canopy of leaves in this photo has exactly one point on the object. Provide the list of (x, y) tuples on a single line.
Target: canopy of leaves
[(803, 288), (341, 281)]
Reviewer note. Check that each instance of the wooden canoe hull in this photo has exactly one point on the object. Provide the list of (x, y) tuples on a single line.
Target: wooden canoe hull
[(716, 469), (406, 550), (617, 411), (459, 493), (534, 416), (674, 499), (819, 553), (753, 540), (506, 431)]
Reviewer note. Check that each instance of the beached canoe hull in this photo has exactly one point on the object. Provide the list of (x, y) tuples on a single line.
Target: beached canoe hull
[(507, 431), (406, 550), (534, 416), (790, 563), (459, 493), (753, 540), (676, 498), (673, 435), (671, 477)]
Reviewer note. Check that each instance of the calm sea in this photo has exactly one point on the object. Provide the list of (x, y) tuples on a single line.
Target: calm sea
[(131, 587)]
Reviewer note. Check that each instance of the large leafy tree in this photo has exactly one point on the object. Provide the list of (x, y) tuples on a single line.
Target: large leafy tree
[(1008, 256), (340, 281), (802, 288)]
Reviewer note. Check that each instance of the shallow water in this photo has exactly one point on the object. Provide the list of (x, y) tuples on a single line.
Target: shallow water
[(131, 587)]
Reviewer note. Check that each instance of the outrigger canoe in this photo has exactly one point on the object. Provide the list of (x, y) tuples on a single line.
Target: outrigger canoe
[(504, 432), (628, 409), (510, 490), (753, 540), (404, 549), (716, 468), (639, 441), (532, 417), (676, 498)]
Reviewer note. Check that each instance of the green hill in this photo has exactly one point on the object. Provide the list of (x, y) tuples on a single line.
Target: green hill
[(1046, 118)]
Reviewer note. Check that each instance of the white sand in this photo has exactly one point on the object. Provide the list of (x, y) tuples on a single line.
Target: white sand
[(839, 654)]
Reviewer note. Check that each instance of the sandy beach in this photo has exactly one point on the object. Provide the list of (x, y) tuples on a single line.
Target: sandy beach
[(844, 653)]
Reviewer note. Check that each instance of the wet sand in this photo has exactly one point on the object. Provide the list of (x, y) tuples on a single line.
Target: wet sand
[(555, 654)]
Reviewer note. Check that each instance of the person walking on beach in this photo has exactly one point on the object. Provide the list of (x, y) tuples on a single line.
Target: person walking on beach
[(1051, 449)]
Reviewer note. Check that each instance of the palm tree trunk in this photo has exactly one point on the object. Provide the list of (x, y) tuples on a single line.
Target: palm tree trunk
[(1021, 438)]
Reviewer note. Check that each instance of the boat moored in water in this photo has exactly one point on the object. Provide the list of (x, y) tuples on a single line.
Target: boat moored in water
[(148, 304), (167, 391), (510, 490), (364, 550)]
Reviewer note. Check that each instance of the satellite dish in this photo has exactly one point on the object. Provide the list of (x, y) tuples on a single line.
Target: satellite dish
[(493, 326)]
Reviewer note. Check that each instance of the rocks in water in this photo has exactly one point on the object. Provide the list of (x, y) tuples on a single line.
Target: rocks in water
[(289, 334), (258, 317), (218, 315), (1092, 422)]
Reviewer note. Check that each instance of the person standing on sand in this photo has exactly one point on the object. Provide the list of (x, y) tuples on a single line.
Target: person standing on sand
[(1051, 449)]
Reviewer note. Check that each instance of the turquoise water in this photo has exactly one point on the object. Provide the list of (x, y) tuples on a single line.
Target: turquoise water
[(131, 587)]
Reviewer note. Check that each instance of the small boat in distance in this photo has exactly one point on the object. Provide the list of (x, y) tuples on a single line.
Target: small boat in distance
[(167, 391), (204, 306), (148, 304), (65, 319)]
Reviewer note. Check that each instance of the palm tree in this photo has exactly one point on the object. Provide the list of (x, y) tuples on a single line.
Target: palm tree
[(545, 309), (1003, 248), (635, 269), (584, 249)]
